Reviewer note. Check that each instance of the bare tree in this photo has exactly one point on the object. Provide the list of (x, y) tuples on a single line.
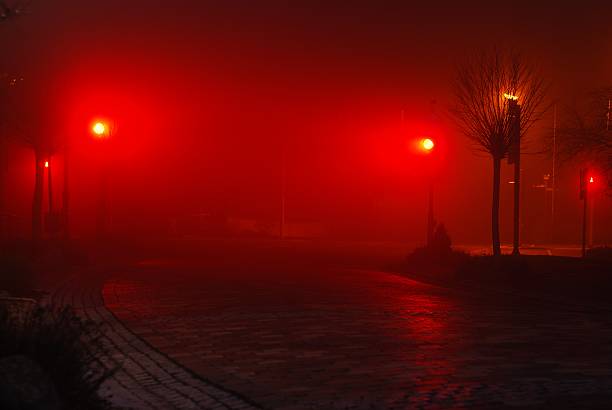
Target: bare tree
[(8, 10), (24, 124), (585, 133), (481, 109)]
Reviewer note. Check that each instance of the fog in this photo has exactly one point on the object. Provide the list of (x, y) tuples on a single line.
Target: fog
[(209, 99)]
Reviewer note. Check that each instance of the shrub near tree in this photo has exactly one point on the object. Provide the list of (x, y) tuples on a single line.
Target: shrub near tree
[(436, 257), (51, 359)]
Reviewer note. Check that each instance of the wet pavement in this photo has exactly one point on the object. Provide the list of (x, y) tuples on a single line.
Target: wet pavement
[(324, 337)]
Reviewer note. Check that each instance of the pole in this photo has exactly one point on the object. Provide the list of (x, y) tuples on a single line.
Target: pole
[(102, 218), (517, 196), (50, 185), (37, 206), (591, 217), (554, 159), (608, 115), (282, 215), (430, 214), (66, 196), (516, 136), (584, 222)]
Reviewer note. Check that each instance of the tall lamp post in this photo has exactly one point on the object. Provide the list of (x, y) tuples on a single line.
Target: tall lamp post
[(102, 132), (427, 145), (514, 157), (586, 185)]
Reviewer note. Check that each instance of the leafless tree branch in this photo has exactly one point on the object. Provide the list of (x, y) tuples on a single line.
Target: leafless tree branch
[(480, 109), (585, 133)]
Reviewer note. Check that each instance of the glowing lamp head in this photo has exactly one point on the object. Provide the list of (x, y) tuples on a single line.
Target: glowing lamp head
[(512, 97), (99, 129), (47, 165), (591, 180), (427, 144)]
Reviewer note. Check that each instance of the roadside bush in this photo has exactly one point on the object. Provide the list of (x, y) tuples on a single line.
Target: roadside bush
[(439, 254), (66, 348)]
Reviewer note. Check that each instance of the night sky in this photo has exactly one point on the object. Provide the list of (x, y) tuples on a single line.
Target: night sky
[(205, 95)]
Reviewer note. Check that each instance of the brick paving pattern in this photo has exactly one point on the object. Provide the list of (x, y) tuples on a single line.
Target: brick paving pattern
[(350, 339), (146, 379)]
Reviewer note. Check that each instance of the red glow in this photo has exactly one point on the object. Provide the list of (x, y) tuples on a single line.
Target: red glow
[(46, 164), (591, 180)]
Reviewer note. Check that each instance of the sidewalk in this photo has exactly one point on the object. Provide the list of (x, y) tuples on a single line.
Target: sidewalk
[(146, 378)]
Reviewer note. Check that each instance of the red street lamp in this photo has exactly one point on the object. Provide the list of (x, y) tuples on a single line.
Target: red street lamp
[(427, 146), (99, 129)]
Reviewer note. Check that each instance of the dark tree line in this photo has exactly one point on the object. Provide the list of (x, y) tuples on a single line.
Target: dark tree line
[(21, 122), (585, 132)]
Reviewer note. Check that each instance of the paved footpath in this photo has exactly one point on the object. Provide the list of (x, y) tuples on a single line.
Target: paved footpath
[(146, 378), (329, 338)]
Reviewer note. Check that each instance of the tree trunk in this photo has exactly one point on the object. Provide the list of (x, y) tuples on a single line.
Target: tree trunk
[(37, 202), (495, 207)]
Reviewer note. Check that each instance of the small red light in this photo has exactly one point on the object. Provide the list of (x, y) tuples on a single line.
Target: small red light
[(46, 164), (591, 180)]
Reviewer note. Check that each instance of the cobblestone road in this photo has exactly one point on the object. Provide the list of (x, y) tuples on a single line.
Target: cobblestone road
[(336, 338)]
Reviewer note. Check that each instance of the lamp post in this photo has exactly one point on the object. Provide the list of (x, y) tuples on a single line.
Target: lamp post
[(514, 157), (427, 145), (587, 185), (49, 186), (102, 132)]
